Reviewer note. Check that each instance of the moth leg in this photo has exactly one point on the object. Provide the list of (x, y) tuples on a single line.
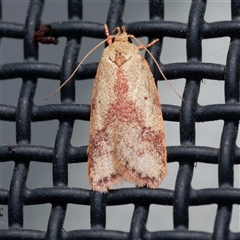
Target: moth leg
[(109, 41), (141, 47)]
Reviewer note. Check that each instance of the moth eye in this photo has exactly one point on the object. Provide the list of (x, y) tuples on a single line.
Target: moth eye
[(130, 40)]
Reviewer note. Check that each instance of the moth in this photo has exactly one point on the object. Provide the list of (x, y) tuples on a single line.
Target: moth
[(127, 139)]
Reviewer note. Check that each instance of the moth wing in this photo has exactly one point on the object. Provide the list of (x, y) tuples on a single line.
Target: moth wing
[(141, 147), (101, 172)]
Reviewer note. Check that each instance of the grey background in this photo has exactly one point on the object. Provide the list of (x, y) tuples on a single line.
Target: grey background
[(174, 50)]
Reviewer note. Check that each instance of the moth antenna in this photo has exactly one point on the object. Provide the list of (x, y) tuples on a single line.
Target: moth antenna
[(160, 70), (78, 66), (116, 29)]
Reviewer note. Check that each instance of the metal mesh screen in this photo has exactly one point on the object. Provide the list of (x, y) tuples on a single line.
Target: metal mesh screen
[(63, 154)]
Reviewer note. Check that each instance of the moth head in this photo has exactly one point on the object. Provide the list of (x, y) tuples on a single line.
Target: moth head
[(121, 36)]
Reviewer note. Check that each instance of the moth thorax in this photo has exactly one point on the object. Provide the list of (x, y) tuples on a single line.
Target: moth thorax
[(121, 37)]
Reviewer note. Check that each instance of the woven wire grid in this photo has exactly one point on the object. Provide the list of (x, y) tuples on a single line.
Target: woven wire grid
[(64, 154)]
